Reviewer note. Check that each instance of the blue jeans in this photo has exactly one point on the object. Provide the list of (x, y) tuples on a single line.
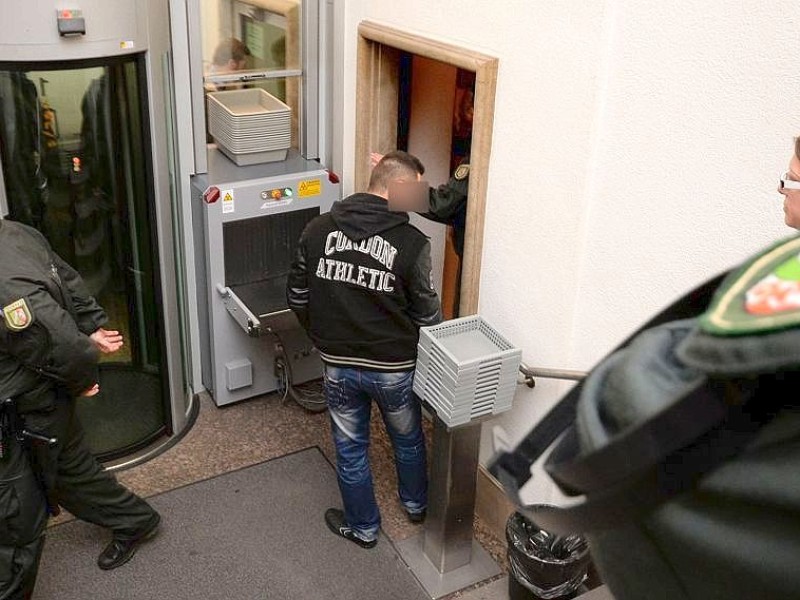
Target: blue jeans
[(349, 393)]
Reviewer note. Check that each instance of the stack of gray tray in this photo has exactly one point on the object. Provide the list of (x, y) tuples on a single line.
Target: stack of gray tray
[(250, 126), (465, 370)]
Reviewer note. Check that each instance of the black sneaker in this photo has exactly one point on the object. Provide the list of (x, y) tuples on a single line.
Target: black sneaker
[(118, 552), (417, 517), (334, 518)]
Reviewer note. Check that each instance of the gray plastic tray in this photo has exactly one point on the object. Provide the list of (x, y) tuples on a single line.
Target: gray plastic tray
[(466, 370), (248, 103)]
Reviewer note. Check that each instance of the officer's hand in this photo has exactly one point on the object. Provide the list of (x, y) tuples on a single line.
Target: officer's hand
[(374, 159), (107, 341), (92, 391)]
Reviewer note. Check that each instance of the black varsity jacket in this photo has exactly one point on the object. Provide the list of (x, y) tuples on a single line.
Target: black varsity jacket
[(361, 285)]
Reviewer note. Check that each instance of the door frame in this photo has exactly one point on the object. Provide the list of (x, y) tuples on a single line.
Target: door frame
[(377, 86)]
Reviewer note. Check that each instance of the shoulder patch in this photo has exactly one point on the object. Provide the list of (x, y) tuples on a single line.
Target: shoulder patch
[(462, 172), (17, 315), (761, 297)]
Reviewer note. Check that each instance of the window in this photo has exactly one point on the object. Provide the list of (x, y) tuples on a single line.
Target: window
[(267, 44)]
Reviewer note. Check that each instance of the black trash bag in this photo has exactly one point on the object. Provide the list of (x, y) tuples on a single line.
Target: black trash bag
[(548, 565)]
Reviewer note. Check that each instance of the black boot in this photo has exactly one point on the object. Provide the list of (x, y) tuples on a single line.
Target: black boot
[(118, 552)]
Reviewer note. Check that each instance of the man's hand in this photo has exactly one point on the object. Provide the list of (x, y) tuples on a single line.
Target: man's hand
[(92, 391), (374, 159), (107, 341)]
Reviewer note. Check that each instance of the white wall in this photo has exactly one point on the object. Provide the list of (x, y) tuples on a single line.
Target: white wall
[(636, 152)]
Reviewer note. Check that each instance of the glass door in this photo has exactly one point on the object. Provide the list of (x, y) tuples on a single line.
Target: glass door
[(76, 165)]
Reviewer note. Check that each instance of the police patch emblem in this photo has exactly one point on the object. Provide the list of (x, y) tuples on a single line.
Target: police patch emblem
[(462, 172), (17, 315), (763, 296)]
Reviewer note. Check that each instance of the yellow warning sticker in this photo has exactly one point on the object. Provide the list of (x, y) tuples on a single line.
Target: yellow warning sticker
[(228, 205), (311, 187)]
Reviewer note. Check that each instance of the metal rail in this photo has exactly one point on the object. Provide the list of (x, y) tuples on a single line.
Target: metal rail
[(248, 76), (529, 373)]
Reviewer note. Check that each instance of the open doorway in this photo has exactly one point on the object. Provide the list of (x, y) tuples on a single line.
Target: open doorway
[(435, 110), (383, 56)]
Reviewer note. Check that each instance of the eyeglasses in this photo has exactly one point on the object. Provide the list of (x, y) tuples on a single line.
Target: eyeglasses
[(789, 184)]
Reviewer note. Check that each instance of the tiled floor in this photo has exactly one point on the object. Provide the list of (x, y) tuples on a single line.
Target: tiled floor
[(246, 433)]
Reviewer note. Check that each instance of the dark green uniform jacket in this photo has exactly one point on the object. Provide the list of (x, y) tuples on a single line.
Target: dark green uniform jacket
[(731, 532), (448, 204), (43, 341)]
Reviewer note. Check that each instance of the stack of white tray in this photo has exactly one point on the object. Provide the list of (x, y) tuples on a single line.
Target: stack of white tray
[(465, 370), (250, 126)]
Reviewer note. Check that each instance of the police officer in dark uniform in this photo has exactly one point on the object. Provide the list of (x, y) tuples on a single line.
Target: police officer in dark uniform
[(23, 513), (447, 204), (51, 334)]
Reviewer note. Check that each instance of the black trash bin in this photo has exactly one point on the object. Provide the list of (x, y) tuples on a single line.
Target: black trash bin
[(544, 565)]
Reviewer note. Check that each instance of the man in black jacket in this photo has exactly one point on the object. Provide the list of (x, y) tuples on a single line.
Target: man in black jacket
[(51, 335), (361, 286)]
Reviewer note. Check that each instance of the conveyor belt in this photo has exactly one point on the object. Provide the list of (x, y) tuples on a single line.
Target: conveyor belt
[(263, 297)]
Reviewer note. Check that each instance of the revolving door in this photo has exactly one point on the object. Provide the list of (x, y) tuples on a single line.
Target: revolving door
[(76, 165)]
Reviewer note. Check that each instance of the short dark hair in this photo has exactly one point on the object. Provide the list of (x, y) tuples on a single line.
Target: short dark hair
[(230, 49), (797, 147), (395, 165)]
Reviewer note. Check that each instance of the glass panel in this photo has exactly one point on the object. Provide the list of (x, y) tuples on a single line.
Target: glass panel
[(75, 157), (256, 35), (245, 43)]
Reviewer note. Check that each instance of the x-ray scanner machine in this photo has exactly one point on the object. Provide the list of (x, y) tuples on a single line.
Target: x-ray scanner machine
[(248, 221)]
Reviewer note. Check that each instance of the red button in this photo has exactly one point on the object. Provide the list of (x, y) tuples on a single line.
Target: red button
[(211, 195)]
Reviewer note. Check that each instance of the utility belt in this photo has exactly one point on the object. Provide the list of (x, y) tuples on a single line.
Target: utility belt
[(13, 430), (34, 444)]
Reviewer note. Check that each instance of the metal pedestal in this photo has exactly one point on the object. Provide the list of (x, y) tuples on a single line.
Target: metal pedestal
[(445, 558)]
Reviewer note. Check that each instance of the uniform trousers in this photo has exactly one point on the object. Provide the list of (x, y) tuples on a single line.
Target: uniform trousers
[(73, 480)]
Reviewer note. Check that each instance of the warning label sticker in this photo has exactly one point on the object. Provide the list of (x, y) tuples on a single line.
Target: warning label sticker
[(310, 187), (227, 201)]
